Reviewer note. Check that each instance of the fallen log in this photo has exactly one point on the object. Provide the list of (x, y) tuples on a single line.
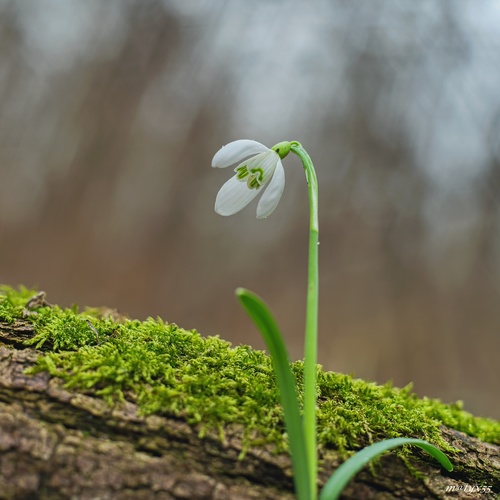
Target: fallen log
[(58, 442)]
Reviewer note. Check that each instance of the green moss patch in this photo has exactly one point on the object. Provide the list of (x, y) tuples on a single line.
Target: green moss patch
[(168, 370)]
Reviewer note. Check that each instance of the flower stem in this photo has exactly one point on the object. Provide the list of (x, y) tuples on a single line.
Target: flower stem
[(311, 335)]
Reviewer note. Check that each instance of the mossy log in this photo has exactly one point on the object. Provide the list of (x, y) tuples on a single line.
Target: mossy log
[(57, 443)]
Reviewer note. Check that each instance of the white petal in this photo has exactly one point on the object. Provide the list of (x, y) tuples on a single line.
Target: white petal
[(272, 194), (237, 151), (233, 196), (266, 161)]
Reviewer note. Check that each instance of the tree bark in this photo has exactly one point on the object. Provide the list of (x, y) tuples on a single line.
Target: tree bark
[(61, 444)]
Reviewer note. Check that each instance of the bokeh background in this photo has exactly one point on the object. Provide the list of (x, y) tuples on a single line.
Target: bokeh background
[(112, 110)]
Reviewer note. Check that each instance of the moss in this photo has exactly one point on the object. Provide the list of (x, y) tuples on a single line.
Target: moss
[(172, 371), (13, 302)]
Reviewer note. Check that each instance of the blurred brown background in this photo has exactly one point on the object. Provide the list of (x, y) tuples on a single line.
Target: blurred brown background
[(112, 110)]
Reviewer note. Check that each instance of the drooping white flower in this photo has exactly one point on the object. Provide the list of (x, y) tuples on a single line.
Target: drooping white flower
[(260, 166)]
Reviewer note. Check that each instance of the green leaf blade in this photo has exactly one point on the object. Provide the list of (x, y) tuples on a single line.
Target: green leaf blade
[(341, 477), (265, 322)]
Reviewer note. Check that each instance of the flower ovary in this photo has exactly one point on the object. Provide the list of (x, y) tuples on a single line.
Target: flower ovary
[(282, 148)]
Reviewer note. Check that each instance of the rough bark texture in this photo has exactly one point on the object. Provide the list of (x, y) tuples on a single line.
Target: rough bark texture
[(58, 444)]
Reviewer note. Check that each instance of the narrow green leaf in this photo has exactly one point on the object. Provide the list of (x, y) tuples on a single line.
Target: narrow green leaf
[(265, 322), (339, 479)]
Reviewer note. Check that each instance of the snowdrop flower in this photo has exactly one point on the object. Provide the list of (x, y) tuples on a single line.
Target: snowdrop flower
[(252, 175)]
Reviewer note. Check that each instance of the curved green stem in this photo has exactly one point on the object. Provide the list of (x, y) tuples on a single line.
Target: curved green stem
[(311, 336)]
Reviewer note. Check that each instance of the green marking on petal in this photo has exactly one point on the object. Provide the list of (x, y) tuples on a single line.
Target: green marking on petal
[(255, 178), (241, 172), (258, 172), (282, 148), (253, 182)]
